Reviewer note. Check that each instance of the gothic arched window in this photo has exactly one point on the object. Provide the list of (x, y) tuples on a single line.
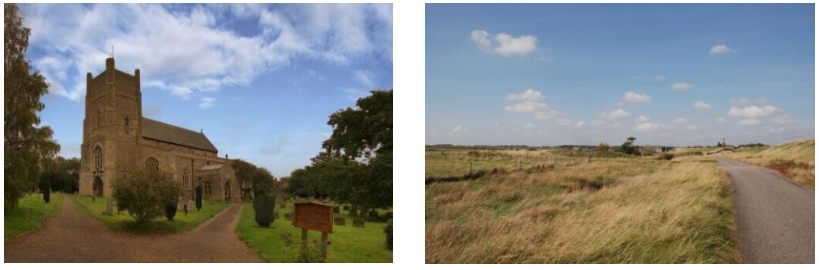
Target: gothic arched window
[(185, 182), (97, 159), (207, 188), (152, 164)]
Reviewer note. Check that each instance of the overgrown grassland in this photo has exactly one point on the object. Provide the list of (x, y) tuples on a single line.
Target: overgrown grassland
[(796, 160), (30, 214), (281, 242), (609, 210), (124, 222)]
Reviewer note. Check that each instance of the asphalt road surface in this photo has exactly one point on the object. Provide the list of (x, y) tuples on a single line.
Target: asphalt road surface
[(73, 237), (774, 215)]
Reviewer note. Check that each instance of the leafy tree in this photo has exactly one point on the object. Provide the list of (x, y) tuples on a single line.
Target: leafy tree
[(61, 174), (145, 194), (356, 164), (628, 146), (26, 142), (244, 172), (262, 181)]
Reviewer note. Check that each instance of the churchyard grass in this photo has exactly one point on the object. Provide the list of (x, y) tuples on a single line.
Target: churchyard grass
[(160, 225), (614, 209), (281, 242), (30, 214)]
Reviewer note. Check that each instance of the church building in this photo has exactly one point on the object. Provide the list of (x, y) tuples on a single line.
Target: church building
[(116, 139)]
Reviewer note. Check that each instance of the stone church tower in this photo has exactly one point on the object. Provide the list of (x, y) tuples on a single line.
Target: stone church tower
[(117, 140)]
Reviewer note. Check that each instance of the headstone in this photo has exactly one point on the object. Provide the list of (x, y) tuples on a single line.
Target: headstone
[(336, 210), (346, 208), (340, 221), (358, 222), (288, 216), (354, 213), (109, 209)]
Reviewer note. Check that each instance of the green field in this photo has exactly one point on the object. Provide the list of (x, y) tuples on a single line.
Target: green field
[(30, 214), (562, 207), (124, 222), (281, 242)]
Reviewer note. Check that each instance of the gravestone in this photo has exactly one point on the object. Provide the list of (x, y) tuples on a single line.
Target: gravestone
[(288, 216), (358, 222), (336, 210), (346, 208), (340, 221), (109, 209), (354, 213)]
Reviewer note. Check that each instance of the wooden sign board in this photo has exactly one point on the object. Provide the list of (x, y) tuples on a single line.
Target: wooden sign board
[(313, 216)]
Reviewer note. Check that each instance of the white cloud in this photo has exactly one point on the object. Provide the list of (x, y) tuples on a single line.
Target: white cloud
[(206, 102), (752, 111), (642, 118), (580, 124), (503, 43), (632, 97), (721, 49), (190, 51), (680, 86), (700, 105), (749, 122), (693, 127), (784, 120), (595, 123), (660, 77), (458, 130), (650, 127), (721, 120), (679, 120), (528, 95), (615, 114)]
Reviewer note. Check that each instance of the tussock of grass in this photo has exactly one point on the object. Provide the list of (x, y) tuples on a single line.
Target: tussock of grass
[(796, 160), (30, 214), (613, 210)]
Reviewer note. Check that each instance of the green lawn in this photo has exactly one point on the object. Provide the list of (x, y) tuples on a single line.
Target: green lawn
[(124, 222), (280, 242), (30, 214)]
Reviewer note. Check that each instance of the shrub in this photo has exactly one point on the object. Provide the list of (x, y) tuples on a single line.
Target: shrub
[(47, 195), (668, 156), (198, 197), (145, 193), (264, 205), (170, 211), (388, 232)]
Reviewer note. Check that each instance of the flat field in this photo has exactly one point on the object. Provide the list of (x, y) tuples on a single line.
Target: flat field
[(561, 206)]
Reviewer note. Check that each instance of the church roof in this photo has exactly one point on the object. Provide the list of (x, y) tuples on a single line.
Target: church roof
[(155, 130)]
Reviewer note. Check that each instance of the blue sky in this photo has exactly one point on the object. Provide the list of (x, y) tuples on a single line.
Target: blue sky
[(670, 74), (260, 80)]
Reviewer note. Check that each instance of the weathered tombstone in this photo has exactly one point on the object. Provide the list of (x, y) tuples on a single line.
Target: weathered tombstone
[(288, 216), (313, 216), (340, 221), (336, 210), (109, 209), (358, 222), (346, 208)]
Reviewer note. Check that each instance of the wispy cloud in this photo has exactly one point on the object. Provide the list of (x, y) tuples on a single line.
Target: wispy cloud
[(701, 105), (753, 111), (206, 102), (681, 86), (615, 114), (721, 49), (632, 97)]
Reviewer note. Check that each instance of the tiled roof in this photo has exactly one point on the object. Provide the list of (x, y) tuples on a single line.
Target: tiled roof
[(155, 130)]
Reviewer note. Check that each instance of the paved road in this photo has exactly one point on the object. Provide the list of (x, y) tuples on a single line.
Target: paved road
[(80, 238), (774, 215)]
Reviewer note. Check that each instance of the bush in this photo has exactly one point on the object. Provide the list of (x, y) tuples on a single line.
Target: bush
[(388, 232), (264, 204), (198, 197), (47, 195), (170, 211), (145, 193), (668, 156)]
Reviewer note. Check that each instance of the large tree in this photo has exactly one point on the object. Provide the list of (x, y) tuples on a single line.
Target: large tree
[(26, 143), (356, 165)]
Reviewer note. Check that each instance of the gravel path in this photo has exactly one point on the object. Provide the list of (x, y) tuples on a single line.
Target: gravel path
[(775, 217), (79, 238)]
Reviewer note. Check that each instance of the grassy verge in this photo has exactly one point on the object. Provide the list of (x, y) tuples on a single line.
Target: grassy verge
[(30, 214), (610, 210), (281, 241), (124, 222), (796, 160)]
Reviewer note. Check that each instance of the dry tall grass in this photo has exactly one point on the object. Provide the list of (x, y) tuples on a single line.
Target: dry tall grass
[(612, 210), (796, 160)]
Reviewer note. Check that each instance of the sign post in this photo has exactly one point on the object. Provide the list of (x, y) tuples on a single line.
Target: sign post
[(313, 216)]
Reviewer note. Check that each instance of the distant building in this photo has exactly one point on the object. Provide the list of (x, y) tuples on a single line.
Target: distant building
[(117, 140)]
